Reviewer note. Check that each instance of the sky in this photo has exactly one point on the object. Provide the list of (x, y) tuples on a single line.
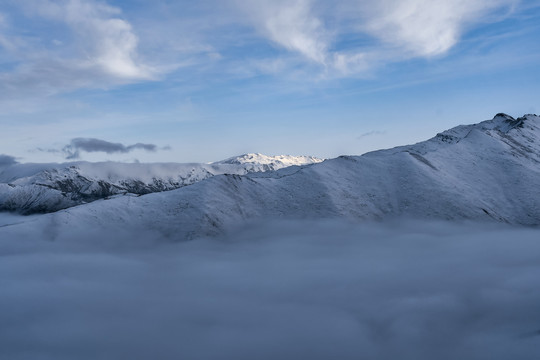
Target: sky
[(187, 81)]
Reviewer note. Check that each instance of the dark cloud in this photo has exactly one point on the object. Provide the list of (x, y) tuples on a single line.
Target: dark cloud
[(280, 290), (97, 145), (7, 160)]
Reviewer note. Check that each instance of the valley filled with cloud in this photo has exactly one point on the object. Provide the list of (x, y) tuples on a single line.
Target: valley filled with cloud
[(278, 289)]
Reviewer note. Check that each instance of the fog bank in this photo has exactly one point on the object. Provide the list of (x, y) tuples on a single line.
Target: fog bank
[(281, 290)]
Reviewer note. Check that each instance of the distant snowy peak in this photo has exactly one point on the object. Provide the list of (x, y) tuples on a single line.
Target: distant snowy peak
[(30, 188), (268, 163)]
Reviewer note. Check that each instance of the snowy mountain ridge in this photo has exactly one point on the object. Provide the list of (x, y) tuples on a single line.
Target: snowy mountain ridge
[(487, 172), (32, 188)]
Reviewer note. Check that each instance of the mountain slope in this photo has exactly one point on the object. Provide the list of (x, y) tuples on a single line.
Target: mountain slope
[(33, 188), (488, 172)]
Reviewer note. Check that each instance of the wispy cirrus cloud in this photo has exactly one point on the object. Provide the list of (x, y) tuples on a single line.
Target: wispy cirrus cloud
[(290, 24), (109, 42), (426, 28), (395, 30), (104, 47), (100, 50)]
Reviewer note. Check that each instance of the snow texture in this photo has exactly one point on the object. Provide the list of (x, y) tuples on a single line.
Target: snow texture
[(487, 172), (35, 188)]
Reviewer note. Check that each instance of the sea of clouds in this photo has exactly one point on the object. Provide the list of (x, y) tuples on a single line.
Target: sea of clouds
[(275, 290)]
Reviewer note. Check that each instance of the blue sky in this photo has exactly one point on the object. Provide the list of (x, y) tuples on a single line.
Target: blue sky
[(206, 80)]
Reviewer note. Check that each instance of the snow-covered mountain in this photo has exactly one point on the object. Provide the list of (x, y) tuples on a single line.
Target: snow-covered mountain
[(487, 172), (260, 162), (32, 188)]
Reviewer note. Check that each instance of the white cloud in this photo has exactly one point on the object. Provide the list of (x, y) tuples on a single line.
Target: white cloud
[(101, 47), (99, 50), (425, 27), (403, 28), (290, 24), (108, 41)]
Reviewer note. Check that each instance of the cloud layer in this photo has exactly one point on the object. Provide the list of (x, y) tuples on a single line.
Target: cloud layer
[(285, 290)]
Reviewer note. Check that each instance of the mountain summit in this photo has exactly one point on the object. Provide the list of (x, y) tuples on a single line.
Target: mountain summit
[(273, 162)]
